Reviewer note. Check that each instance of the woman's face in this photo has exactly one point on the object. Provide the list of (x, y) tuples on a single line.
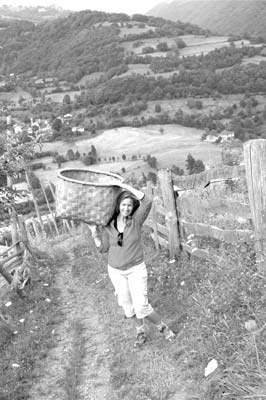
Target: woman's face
[(126, 207)]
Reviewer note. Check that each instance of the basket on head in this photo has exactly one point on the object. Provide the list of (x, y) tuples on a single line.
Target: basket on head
[(87, 195)]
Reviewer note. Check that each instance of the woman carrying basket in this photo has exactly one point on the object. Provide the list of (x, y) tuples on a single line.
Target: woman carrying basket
[(121, 239)]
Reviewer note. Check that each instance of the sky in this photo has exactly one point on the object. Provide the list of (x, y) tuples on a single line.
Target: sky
[(125, 6)]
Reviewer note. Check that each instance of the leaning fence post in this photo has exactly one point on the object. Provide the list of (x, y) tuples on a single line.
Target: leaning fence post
[(171, 219), (255, 163), (35, 204)]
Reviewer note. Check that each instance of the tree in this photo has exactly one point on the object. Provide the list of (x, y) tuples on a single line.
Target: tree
[(34, 180), (57, 124), (163, 46), (180, 44), (88, 159), (158, 108), (190, 162), (198, 167), (66, 131), (152, 161), (194, 166), (70, 155), (93, 152), (152, 177), (142, 181), (176, 170), (124, 157), (147, 50), (59, 159), (66, 99)]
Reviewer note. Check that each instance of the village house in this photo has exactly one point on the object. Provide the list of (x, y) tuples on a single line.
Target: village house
[(78, 129)]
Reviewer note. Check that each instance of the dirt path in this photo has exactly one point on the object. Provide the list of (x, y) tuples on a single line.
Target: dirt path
[(94, 358), (78, 309)]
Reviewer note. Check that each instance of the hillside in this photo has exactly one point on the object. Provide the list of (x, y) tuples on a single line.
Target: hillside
[(237, 17), (80, 44)]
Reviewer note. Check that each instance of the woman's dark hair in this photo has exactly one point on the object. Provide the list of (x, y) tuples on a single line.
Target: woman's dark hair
[(124, 195)]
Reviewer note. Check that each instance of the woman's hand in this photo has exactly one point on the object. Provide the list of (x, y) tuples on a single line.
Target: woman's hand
[(93, 228), (95, 234), (137, 193)]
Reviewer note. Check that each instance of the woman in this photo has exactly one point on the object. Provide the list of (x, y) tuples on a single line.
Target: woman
[(121, 238)]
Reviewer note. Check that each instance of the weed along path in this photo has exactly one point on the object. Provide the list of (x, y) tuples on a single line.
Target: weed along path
[(94, 357)]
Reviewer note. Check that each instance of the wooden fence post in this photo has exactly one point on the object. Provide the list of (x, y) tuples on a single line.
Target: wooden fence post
[(50, 209), (255, 163), (12, 214), (153, 217), (35, 204), (171, 220)]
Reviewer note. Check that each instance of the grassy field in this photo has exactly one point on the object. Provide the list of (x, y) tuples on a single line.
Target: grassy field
[(135, 29), (89, 78), (176, 139), (201, 45), (171, 147), (15, 95), (58, 97), (195, 45), (209, 105), (253, 60)]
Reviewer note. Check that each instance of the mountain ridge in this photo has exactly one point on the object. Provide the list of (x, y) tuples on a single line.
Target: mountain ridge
[(236, 17), (35, 14)]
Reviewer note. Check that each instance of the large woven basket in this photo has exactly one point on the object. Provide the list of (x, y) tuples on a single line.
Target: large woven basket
[(87, 195)]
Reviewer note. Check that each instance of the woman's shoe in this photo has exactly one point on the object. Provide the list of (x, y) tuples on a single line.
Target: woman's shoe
[(140, 339), (168, 334)]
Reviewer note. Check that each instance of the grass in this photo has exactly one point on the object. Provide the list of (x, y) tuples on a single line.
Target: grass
[(34, 319), (221, 303), (223, 300)]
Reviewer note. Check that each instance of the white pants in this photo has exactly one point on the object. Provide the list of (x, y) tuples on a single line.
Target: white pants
[(131, 290)]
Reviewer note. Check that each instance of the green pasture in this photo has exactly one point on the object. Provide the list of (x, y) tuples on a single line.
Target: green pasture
[(253, 60), (135, 29), (210, 105), (15, 95), (58, 97), (89, 78), (170, 147), (195, 44)]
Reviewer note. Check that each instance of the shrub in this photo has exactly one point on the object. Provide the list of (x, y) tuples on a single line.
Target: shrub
[(180, 44), (163, 46), (152, 177), (177, 171), (194, 166), (34, 180), (147, 50), (158, 108)]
